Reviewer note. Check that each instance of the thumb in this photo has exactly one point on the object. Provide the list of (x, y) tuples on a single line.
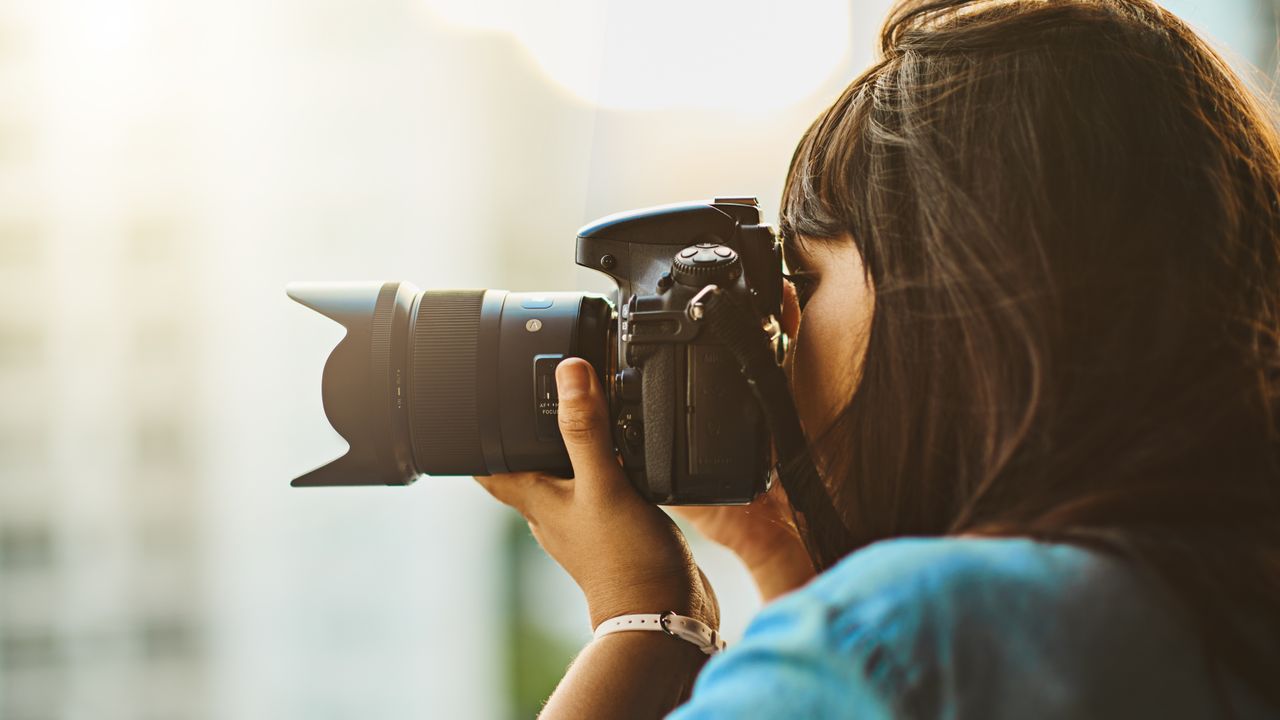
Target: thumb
[(584, 425), (790, 310)]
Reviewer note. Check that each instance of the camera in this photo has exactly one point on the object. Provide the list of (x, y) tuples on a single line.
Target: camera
[(462, 382)]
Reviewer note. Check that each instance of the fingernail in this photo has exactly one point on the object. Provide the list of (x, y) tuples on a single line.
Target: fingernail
[(573, 378)]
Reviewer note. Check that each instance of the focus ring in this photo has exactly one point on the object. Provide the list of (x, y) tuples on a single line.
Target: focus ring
[(444, 421)]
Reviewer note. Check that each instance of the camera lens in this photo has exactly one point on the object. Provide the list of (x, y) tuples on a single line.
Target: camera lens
[(448, 382)]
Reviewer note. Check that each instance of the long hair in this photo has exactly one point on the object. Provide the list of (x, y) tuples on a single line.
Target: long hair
[(1070, 214)]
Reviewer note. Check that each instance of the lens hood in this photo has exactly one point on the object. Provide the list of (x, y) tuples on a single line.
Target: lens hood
[(364, 381)]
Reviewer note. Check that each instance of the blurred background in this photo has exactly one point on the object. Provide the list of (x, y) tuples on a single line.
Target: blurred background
[(166, 166)]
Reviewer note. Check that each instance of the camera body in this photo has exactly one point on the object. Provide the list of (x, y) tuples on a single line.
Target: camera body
[(462, 382), (685, 423)]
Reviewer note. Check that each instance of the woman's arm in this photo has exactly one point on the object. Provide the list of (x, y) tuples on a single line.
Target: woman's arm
[(626, 554), (762, 536), (777, 573), (627, 675)]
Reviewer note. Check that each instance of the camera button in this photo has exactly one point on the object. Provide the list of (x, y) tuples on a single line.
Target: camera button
[(536, 303)]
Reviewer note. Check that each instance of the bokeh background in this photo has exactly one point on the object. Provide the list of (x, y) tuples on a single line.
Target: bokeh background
[(167, 166)]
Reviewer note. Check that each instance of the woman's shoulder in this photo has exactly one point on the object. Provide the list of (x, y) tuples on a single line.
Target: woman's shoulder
[(1041, 626), (976, 575), (952, 585), (970, 627)]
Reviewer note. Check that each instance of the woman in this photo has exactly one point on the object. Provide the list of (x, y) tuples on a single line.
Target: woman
[(1036, 255)]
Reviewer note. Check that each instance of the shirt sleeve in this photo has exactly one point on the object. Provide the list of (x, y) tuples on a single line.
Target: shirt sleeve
[(790, 664), (961, 628)]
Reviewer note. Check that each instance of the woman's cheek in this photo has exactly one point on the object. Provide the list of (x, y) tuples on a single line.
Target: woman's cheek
[(822, 367), (831, 340)]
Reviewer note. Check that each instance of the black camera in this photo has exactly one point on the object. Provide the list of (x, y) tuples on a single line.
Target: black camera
[(462, 382)]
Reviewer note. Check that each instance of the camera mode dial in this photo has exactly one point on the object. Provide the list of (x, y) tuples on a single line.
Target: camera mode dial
[(705, 264)]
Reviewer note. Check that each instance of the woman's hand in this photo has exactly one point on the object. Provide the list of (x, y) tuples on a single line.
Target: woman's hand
[(763, 537), (762, 533), (626, 554)]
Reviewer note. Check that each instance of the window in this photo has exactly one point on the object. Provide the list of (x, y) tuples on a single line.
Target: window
[(167, 638), (25, 546), (28, 647)]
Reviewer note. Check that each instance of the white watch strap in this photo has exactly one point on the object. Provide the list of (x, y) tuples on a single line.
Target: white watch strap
[(685, 628)]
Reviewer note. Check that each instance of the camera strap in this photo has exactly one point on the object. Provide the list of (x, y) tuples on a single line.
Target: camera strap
[(811, 502)]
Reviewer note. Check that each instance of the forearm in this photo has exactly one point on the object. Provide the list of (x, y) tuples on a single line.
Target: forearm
[(779, 572), (627, 675)]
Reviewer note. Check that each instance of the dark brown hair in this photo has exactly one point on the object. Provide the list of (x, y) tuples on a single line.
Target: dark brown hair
[(1070, 214)]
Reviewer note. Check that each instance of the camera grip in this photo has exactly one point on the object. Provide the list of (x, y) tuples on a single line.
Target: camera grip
[(658, 400)]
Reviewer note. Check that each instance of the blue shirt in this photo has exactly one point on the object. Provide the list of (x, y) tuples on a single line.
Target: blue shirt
[(966, 628)]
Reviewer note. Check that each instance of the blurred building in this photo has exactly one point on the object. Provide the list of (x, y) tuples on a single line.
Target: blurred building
[(166, 166), (103, 583)]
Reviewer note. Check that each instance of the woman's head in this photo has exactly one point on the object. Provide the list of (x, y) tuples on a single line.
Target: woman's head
[(1068, 216)]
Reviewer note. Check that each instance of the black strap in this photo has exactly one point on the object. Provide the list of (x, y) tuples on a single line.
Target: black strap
[(811, 503)]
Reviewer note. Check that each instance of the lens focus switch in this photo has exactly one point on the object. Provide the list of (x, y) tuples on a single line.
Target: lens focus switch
[(546, 401)]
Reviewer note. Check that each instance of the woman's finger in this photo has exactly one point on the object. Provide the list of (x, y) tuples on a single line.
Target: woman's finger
[(790, 310), (584, 425), (530, 493)]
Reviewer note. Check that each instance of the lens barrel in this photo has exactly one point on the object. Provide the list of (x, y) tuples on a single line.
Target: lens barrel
[(448, 382)]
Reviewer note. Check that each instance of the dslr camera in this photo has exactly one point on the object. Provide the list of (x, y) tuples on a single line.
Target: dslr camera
[(462, 382)]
